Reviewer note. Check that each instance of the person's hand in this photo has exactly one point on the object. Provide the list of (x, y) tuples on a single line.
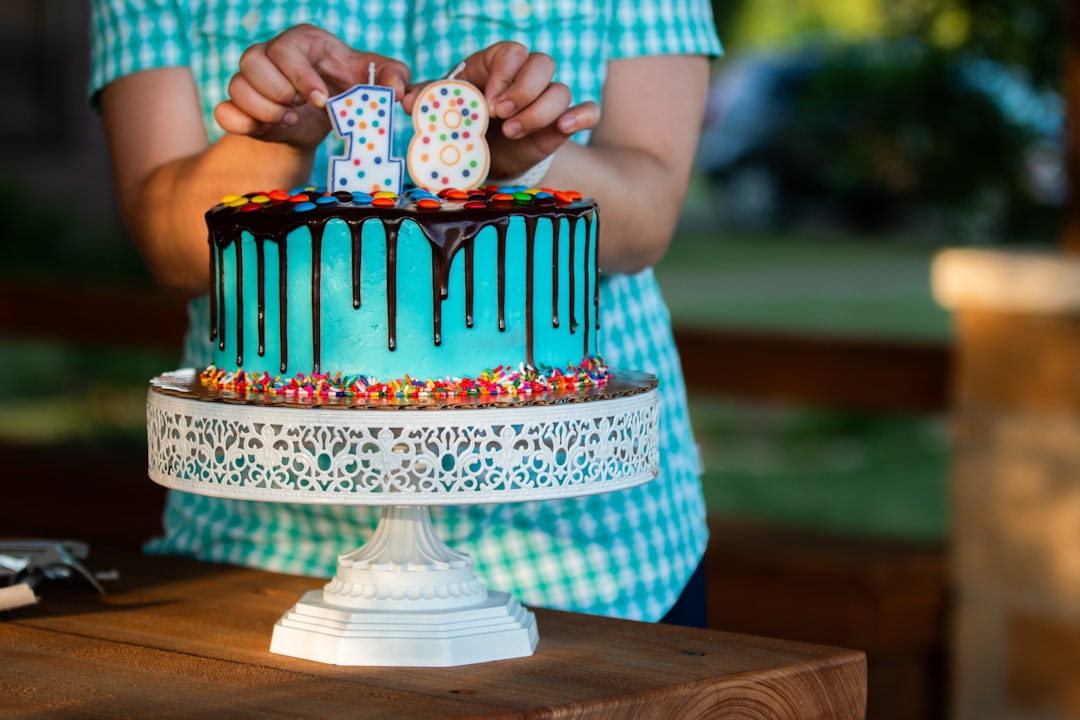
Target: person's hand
[(280, 93), (531, 116)]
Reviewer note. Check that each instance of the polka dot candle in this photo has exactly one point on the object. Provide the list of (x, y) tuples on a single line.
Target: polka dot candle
[(363, 118), (449, 149)]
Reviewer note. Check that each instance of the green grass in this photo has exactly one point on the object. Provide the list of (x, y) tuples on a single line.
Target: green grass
[(852, 473), (869, 475), (810, 283), (62, 393)]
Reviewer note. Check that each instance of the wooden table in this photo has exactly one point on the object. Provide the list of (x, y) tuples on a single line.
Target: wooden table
[(177, 638)]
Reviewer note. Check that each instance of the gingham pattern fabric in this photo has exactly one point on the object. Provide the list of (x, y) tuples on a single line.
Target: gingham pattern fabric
[(626, 554)]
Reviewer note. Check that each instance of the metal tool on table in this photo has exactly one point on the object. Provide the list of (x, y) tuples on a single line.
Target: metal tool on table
[(26, 564)]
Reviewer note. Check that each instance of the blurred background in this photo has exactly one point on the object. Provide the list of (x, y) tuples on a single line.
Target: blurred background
[(846, 142)]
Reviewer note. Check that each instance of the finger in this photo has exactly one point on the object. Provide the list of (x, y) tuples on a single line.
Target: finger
[(495, 68), (262, 74), (579, 118), (294, 55), (257, 105), (342, 68), (542, 112), (391, 73), (527, 83), (234, 120), (408, 99)]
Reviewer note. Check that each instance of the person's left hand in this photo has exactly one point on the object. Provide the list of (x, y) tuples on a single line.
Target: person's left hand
[(531, 116)]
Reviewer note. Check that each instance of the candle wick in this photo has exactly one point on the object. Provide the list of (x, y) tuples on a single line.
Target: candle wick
[(371, 73), (455, 71)]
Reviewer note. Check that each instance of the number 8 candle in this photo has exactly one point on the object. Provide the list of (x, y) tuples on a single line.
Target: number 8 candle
[(363, 118), (449, 148)]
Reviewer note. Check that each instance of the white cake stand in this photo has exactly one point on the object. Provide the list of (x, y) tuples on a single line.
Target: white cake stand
[(404, 598)]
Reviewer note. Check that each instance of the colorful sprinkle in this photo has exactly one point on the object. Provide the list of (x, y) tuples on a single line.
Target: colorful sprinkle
[(502, 381)]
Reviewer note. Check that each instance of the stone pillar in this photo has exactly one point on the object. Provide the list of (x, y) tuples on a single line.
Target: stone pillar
[(1015, 483)]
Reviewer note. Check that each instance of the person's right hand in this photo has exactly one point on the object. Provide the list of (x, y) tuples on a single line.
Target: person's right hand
[(280, 93)]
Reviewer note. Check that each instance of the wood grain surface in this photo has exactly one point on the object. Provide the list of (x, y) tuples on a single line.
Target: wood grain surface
[(176, 638)]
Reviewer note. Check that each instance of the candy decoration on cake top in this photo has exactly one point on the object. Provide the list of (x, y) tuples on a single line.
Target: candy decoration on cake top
[(363, 118), (449, 148)]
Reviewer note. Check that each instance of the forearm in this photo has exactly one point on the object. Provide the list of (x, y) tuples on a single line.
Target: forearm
[(164, 211), (640, 199), (638, 161)]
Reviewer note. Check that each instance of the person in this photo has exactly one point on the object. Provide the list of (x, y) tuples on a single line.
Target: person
[(201, 99)]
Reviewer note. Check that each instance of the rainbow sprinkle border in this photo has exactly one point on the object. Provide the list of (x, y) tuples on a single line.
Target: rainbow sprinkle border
[(503, 381)]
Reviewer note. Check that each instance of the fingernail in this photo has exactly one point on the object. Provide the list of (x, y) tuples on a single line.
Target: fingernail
[(504, 108), (289, 118), (511, 129), (318, 98), (567, 125)]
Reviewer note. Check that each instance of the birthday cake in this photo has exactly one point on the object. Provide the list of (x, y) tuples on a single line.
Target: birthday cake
[(484, 292), (362, 290)]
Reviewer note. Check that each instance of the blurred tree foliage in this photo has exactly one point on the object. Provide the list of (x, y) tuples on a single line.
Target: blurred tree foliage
[(1025, 33)]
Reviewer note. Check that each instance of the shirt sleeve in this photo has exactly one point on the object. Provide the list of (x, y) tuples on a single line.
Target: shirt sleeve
[(128, 36), (664, 27)]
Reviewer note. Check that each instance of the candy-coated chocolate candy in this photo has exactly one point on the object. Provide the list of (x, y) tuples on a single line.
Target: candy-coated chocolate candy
[(475, 204), (326, 200), (384, 201), (428, 203), (299, 198), (278, 195), (304, 206)]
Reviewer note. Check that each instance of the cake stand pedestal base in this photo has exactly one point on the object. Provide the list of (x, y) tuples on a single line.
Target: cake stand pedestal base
[(405, 599), (497, 629)]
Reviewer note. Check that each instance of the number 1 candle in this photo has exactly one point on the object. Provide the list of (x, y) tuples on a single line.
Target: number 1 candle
[(363, 118)]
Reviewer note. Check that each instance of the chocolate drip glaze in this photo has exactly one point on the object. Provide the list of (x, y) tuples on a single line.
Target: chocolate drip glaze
[(596, 273), (391, 227), (218, 321), (316, 294), (530, 245), (449, 231), (357, 252), (501, 230), (283, 299), (571, 242), (214, 253), (470, 282), (556, 225), (260, 262), (587, 297), (239, 304)]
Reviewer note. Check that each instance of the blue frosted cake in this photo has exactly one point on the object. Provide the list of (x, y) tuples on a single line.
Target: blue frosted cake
[(489, 291)]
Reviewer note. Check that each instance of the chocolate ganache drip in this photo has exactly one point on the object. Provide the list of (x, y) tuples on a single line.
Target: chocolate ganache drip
[(450, 228)]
